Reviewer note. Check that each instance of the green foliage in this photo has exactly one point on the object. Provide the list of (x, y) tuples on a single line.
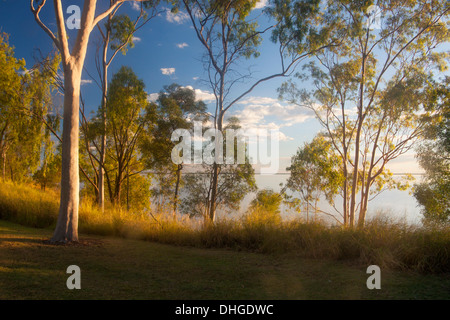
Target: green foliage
[(11, 82), (297, 25), (267, 200), (25, 104), (49, 174), (370, 88), (234, 182), (314, 172), (127, 115), (122, 29), (176, 108), (434, 156), (264, 210)]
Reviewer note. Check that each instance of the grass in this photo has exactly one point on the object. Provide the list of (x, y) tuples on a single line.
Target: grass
[(390, 245), (115, 268)]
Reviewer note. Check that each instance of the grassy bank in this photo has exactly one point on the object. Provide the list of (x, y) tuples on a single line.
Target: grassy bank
[(115, 268), (396, 246)]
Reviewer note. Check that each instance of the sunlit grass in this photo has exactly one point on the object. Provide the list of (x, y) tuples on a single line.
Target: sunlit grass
[(384, 242), (115, 268)]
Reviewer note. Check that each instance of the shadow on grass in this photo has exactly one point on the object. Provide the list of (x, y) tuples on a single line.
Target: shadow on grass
[(22, 240), (80, 243)]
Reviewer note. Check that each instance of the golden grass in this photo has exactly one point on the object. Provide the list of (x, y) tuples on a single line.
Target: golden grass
[(382, 242)]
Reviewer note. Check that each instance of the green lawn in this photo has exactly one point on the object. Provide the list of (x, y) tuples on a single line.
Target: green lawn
[(113, 268)]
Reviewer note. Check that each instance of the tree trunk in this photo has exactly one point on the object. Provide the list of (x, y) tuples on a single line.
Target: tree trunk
[(307, 211), (355, 173), (118, 188), (101, 172), (362, 212), (345, 189), (67, 224), (212, 208), (175, 197), (357, 142), (128, 189), (365, 201), (4, 165)]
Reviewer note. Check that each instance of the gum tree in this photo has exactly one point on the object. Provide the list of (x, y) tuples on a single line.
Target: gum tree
[(433, 194), (117, 35), (229, 36), (368, 91), (314, 173), (72, 60), (234, 182), (176, 108), (10, 98)]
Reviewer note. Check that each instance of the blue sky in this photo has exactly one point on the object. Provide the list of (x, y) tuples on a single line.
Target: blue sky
[(166, 51)]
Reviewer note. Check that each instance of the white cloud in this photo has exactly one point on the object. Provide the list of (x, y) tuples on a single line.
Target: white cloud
[(88, 81), (24, 72), (195, 78), (167, 71), (182, 45), (261, 4), (152, 97), (179, 18), (136, 39), (265, 113), (256, 109), (205, 96), (258, 100), (135, 5), (405, 163)]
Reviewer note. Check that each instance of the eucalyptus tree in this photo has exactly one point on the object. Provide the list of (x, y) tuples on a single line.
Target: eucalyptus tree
[(433, 194), (235, 181), (314, 173), (176, 108), (126, 120), (117, 34), (72, 60), (229, 35), (267, 200), (25, 99), (368, 91), (10, 97)]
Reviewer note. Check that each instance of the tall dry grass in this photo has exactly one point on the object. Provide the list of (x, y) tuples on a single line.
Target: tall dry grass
[(384, 242)]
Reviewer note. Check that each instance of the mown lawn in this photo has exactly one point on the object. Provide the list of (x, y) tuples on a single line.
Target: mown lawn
[(114, 268)]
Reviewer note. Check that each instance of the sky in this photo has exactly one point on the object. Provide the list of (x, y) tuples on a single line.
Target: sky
[(167, 51)]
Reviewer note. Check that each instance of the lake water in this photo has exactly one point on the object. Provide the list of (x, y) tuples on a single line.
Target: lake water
[(395, 203)]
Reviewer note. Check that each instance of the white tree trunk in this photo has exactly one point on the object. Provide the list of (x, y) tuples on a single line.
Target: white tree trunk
[(67, 225)]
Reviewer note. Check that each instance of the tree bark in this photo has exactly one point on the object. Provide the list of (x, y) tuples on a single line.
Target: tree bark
[(67, 225), (177, 185), (4, 165), (215, 180), (357, 142), (101, 172)]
